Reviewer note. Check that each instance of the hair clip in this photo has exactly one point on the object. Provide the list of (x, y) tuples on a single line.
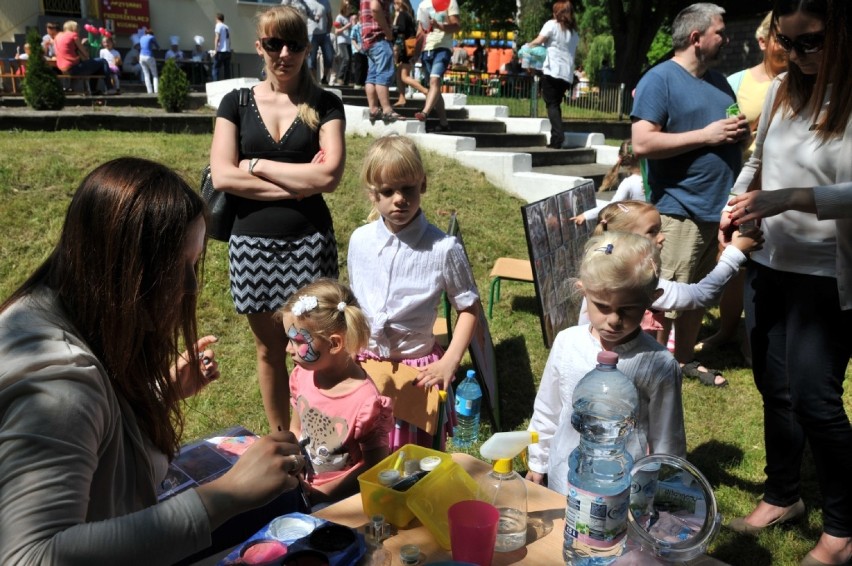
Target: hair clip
[(305, 303), (341, 306), (622, 207), (607, 249)]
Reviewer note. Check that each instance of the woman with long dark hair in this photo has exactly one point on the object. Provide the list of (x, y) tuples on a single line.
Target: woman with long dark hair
[(799, 286), (560, 37), (277, 154), (92, 379)]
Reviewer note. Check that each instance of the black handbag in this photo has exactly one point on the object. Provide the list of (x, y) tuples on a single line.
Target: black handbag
[(221, 206)]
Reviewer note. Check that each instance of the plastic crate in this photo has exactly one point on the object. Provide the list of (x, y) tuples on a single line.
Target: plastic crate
[(428, 499)]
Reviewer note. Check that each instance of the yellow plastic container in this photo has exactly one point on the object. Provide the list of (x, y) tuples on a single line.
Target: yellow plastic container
[(428, 499)]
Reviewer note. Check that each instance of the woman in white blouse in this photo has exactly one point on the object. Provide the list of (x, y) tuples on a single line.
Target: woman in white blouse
[(560, 37), (799, 286)]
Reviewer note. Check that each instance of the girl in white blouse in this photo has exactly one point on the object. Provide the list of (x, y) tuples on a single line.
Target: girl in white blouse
[(398, 267)]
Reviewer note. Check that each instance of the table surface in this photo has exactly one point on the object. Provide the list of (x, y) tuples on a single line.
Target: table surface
[(546, 524), (546, 515)]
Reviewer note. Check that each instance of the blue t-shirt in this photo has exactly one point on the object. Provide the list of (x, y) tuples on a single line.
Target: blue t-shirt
[(694, 184), (147, 45)]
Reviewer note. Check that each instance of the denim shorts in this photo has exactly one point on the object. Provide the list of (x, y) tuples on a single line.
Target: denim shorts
[(436, 61), (380, 70)]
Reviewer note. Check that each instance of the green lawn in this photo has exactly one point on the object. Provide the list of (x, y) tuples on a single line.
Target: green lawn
[(41, 171)]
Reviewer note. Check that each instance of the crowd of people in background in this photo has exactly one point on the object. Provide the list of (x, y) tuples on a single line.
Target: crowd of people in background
[(749, 170)]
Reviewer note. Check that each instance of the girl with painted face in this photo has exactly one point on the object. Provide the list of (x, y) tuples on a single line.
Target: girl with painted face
[(338, 414), (619, 278), (398, 267)]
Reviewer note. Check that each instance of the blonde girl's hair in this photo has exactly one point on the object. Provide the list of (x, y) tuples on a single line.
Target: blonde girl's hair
[(388, 159), (621, 216), (627, 160), (287, 22), (764, 29), (70, 25), (337, 312), (618, 261)]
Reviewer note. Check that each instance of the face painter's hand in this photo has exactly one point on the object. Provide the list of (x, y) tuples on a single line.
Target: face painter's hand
[(268, 468), (195, 374)]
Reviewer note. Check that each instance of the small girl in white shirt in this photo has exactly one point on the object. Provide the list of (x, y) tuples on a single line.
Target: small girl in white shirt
[(631, 188), (643, 218), (398, 267), (111, 55), (618, 278)]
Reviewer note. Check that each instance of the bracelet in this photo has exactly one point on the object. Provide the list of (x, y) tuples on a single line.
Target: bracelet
[(252, 163)]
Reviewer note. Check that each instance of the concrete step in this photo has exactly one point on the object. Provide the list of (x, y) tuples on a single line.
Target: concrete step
[(594, 171), (469, 128), (545, 157), (195, 101), (508, 142)]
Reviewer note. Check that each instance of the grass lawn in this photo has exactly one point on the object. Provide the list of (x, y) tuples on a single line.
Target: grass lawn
[(724, 426)]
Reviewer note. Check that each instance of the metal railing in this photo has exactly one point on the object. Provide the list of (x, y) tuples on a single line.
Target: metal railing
[(521, 94)]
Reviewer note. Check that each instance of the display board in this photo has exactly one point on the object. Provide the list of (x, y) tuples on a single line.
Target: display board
[(555, 244), (481, 350)]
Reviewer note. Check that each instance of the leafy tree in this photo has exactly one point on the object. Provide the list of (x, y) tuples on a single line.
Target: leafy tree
[(41, 87), (533, 14), (601, 49), (174, 87)]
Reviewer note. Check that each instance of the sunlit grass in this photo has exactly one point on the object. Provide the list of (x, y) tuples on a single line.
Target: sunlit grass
[(40, 171)]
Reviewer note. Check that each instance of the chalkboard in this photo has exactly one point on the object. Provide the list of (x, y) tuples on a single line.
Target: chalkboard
[(555, 244)]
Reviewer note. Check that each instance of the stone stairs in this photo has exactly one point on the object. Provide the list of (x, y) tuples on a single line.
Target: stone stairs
[(511, 152)]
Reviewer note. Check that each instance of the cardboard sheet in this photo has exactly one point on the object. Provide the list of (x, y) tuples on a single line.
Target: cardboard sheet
[(411, 403)]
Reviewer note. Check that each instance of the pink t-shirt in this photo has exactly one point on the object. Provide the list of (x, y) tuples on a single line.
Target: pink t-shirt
[(65, 45), (340, 428)]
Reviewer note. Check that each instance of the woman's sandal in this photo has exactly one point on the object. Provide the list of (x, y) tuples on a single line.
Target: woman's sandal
[(375, 115), (391, 117), (707, 377)]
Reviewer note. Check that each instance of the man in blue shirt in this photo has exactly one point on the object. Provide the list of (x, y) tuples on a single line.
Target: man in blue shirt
[(693, 153)]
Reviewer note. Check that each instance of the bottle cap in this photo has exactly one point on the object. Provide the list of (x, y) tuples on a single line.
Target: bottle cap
[(503, 466), (429, 463), (608, 358), (470, 373), (389, 477)]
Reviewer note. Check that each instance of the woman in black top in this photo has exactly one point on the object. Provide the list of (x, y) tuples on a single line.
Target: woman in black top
[(278, 153), (404, 27)]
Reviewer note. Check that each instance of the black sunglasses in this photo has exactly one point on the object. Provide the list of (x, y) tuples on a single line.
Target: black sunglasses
[(275, 44), (805, 44)]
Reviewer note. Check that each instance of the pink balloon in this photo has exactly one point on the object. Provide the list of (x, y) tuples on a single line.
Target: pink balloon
[(440, 5), (103, 31)]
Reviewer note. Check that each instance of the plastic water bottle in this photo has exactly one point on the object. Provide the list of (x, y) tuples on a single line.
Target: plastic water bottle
[(505, 489), (468, 403), (605, 403)]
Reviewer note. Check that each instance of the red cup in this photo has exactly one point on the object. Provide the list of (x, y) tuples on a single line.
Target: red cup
[(473, 531)]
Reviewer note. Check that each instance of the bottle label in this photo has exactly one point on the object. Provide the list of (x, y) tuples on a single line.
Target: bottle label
[(594, 520), (466, 407)]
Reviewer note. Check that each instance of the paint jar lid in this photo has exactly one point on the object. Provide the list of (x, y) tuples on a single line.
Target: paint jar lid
[(389, 477), (429, 463)]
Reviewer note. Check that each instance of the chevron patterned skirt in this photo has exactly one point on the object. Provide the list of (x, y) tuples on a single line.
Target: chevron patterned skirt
[(264, 272)]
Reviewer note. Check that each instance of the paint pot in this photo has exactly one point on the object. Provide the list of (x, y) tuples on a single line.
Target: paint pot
[(409, 555), (332, 538), (263, 552), (290, 528)]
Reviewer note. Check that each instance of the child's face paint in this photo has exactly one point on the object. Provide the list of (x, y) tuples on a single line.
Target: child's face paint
[(301, 344)]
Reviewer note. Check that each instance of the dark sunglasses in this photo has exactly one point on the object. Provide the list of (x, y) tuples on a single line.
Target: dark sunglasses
[(805, 44), (275, 44)]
